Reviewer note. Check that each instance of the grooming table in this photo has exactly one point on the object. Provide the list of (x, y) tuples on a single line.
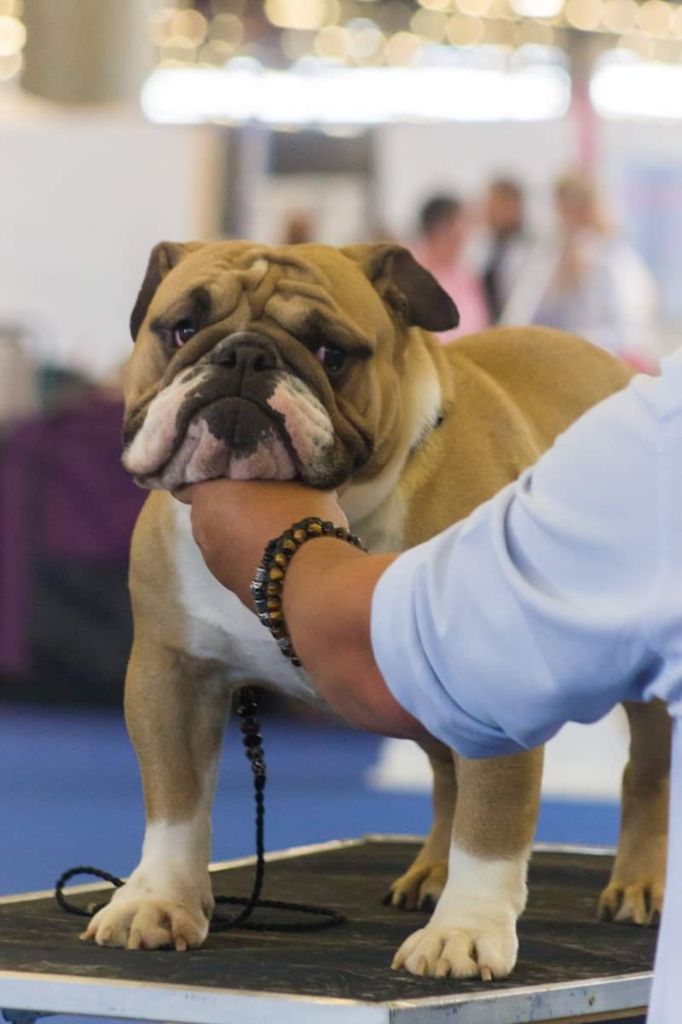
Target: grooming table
[(571, 967)]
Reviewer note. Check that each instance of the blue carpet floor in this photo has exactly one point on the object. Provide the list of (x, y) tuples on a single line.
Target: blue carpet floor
[(71, 794)]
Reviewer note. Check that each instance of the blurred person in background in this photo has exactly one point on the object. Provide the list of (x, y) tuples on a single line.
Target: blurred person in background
[(588, 279), (509, 243), (443, 234), (299, 227)]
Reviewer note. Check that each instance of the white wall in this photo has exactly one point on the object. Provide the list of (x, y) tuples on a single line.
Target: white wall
[(336, 202), (83, 197), (414, 161)]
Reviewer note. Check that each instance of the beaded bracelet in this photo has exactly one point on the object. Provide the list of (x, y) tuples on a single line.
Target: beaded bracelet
[(268, 581)]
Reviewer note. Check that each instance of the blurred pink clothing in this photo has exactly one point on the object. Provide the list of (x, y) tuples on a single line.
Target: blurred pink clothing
[(463, 287)]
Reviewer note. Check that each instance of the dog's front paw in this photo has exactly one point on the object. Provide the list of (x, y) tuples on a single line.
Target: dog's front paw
[(468, 947), (148, 922)]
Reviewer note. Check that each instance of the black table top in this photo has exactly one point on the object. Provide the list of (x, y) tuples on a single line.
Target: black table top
[(560, 938)]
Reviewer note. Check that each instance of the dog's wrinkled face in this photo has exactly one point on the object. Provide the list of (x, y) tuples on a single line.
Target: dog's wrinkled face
[(253, 362)]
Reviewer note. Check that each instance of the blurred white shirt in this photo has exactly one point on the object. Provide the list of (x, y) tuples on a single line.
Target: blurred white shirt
[(613, 301), (555, 600)]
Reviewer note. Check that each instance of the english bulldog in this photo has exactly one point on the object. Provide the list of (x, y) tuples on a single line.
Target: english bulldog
[(313, 363)]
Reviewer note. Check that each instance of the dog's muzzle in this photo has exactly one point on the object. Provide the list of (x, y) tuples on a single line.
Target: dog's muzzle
[(238, 413)]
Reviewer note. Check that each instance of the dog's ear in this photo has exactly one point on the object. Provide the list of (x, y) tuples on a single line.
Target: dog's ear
[(405, 285), (163, 257)]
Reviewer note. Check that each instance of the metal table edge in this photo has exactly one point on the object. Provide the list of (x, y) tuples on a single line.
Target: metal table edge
[(183, 1004), (220, 865), (533, 1003), (306, 851)]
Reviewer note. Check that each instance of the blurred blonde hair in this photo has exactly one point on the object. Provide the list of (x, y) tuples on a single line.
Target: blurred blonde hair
[(578, 188)]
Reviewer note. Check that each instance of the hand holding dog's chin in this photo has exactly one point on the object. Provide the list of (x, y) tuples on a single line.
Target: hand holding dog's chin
[(233, 520)]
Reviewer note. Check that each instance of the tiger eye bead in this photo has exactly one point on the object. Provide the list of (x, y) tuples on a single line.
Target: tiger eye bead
[(268, 582)]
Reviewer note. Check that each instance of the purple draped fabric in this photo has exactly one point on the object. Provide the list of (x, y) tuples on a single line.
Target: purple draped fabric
[(64, 494)]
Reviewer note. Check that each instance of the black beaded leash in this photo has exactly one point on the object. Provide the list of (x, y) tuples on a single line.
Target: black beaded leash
[(247, 707)]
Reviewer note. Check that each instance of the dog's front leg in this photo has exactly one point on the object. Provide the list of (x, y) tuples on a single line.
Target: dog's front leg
[(472, 932), (175, 714)]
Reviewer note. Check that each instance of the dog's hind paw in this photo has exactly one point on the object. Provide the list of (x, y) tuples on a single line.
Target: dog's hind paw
[(639, 902), (419, 888)]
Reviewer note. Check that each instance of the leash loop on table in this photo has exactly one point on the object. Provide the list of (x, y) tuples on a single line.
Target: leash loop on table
[(247, 708)]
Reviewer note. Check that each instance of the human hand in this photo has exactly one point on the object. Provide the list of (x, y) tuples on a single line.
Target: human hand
[(233, 520)]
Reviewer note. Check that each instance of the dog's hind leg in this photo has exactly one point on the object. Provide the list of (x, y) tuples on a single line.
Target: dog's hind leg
[(635, 891), (421, 885)]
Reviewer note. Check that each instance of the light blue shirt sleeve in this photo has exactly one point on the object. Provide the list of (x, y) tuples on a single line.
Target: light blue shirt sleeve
[(545, 605)]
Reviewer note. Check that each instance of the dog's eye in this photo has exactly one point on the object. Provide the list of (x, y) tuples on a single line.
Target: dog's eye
[(182, 332), (331, 358)]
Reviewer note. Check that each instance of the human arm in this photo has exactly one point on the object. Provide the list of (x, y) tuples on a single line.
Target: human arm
[(536, 610), (544, 606)]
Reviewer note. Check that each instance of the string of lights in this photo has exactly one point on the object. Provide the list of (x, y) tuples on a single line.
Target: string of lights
[(240, 50), (12, 39), (397, 33)]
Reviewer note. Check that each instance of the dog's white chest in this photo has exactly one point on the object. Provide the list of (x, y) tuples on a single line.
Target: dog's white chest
[(219, 627)]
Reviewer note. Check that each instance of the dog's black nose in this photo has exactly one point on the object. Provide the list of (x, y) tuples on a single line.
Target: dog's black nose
[(247, 352)]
